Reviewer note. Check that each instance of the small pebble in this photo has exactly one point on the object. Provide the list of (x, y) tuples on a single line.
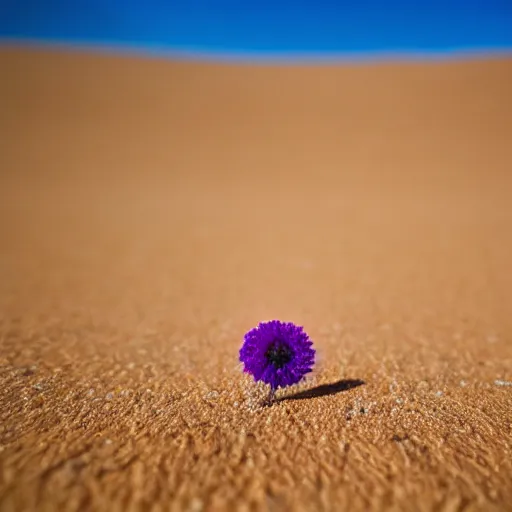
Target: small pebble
[(212, 395)]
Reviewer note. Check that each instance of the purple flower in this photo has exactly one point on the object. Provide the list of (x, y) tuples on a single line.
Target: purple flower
[(277, 353)]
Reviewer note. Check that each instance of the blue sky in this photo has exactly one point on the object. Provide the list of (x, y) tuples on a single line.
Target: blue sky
[(264, 26)]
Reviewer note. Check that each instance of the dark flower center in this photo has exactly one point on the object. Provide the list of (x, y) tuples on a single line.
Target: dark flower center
[(278, 354)]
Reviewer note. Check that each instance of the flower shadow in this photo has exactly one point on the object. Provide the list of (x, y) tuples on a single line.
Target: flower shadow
[(324, 390)]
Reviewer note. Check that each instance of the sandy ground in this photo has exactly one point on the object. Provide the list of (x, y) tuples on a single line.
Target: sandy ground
[(151, 212)]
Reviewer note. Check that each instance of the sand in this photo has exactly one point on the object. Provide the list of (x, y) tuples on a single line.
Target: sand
[(151, 212)]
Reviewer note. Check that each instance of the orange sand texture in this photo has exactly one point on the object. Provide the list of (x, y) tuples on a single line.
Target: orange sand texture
[(151, 212)]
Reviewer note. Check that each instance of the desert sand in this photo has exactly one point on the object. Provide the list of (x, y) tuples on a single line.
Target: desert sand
[(151, 212)]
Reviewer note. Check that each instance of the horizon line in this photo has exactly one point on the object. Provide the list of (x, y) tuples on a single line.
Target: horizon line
[(230, 55)]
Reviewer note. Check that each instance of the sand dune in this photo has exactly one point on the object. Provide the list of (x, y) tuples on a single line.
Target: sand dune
[(151, 212)]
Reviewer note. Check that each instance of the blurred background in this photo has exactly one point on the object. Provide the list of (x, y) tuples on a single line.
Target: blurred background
[(345, 167)]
